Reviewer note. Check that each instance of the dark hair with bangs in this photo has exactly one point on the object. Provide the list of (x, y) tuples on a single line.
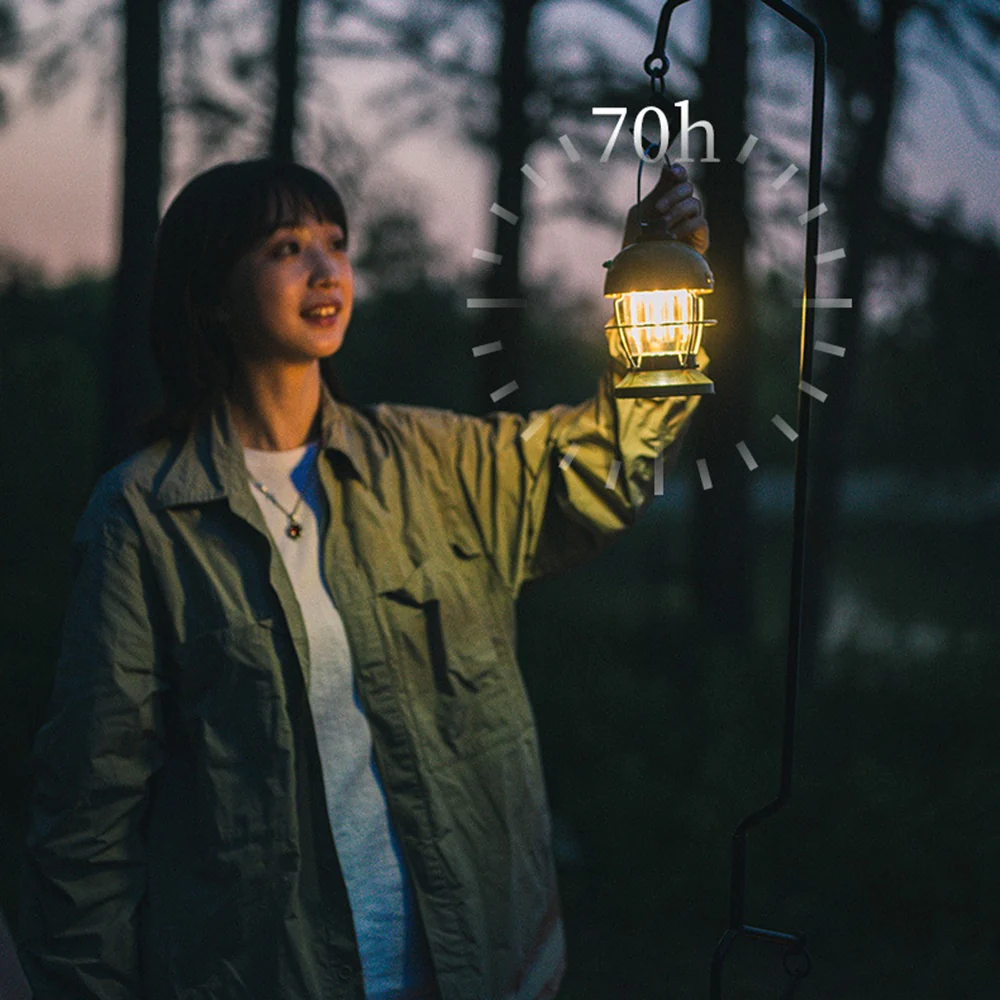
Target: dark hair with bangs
[(214, 220)]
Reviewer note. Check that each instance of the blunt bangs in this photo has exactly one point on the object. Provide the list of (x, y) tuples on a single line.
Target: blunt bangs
[(288, 195), (252, 199)]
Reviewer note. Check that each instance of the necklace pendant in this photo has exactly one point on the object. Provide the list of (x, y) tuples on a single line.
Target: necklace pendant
[(294, 531)]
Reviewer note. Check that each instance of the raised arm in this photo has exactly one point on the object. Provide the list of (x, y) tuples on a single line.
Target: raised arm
[(550, 490)]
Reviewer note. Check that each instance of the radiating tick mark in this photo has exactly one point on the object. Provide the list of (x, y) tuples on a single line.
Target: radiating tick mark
[(567, 460), (534, 176), (488, 256), (824, 258), (811, 390), (813, 213), (532, 428), (571, 151), (706, 479), (612, 480), (835, 349), (790, 432), (504, 390), (502, 213), (491, 348), (496, 303), (751, 462), (830, 303), (747, 149), (789, 172)]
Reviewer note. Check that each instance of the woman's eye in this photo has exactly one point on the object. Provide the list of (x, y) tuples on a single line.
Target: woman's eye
[(286, 248)]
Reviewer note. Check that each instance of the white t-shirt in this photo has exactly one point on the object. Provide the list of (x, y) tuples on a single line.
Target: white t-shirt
[(393, 954)]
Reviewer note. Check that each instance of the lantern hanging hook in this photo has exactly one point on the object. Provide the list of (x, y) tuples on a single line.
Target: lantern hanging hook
[(656, 66), (657, 63)]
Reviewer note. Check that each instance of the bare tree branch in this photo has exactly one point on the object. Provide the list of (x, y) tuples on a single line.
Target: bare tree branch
[(947, 23), (935, 60), (645, 22)]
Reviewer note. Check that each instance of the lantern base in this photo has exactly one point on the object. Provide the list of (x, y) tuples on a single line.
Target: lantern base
[(663, 383)]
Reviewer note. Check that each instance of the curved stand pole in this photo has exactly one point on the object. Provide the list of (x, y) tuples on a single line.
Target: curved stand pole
[(737, 926)]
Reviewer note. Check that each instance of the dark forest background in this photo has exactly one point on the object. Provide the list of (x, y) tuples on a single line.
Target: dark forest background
[(657, 671)]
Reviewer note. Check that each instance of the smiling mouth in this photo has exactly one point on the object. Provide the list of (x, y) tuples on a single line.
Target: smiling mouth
[(321, 312)]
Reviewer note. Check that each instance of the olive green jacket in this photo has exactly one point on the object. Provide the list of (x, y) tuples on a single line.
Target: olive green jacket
[(179, 845)]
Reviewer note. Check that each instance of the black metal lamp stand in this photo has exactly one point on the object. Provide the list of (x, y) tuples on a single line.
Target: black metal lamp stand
[(796, 958)]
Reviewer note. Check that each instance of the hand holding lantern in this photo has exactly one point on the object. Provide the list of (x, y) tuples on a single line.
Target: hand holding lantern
[(657, 282)]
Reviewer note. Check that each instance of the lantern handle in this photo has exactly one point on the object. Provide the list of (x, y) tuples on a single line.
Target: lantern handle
[(653, 227)]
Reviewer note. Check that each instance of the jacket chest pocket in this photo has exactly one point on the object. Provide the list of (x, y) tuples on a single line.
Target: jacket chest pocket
[(455, 657), (236, 743)]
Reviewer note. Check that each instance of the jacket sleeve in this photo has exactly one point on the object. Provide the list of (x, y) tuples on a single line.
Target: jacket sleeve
[(85, 862), (547, 491)]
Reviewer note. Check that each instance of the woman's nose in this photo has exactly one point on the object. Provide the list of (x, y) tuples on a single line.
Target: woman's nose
[(326, 268)]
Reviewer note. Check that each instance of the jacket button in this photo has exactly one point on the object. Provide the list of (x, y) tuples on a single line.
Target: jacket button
[(344, 973)]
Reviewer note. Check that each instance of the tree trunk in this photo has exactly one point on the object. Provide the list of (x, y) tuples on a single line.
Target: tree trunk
[(132, 383), (286, 75), (859, 213), (722, 523), (513, 139)]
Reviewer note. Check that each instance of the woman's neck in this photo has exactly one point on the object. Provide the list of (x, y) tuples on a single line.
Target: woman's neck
[(275, 409)]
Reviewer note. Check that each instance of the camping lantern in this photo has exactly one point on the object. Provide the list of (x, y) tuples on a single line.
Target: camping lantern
[(658, 286)]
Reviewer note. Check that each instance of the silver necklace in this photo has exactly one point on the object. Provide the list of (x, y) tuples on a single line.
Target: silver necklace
[(294, 527)]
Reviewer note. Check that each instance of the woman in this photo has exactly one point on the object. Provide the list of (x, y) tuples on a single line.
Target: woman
[(290, 754)]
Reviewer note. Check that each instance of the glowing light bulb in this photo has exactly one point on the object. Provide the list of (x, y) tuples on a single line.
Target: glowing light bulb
[(661, 322)]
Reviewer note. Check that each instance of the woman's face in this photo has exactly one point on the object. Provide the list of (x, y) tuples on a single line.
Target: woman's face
[(288, 299)]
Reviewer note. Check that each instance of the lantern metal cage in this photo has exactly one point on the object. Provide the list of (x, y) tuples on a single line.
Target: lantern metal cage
[(658, 287)]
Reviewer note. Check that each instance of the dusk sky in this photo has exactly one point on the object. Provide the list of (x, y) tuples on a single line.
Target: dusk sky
[(59, 167)]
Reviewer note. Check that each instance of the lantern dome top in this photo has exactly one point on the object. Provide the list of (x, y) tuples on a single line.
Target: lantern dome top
[(652, 265)]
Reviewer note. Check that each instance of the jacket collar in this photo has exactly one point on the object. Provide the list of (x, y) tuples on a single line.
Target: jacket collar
[(210, 464)]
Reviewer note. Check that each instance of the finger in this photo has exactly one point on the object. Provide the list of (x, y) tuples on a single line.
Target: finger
[(679, 172), (674, 197), (684, 227), (669, 177), (687, 209), (690, 228)]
